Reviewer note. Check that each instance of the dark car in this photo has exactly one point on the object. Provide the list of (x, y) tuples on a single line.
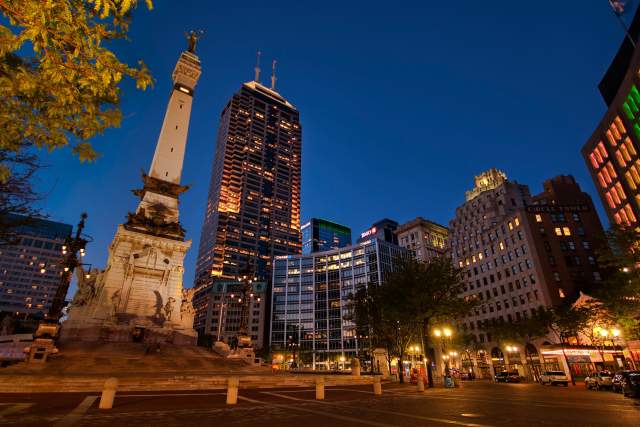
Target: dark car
[(507, 377), (616, 381), (631, 384)]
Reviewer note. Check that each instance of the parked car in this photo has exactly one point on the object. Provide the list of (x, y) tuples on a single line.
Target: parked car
[(616, 381), (598, 380), (507, 377), (630, 383), (553, 378)]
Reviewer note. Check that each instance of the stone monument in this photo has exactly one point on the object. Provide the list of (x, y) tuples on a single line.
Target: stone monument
[(139, 295)]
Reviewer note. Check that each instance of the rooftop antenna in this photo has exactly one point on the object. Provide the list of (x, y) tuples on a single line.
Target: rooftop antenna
[(257, 69), (273, 74)]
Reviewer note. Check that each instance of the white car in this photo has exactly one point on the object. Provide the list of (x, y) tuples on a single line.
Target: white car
[(599, 380), (553, 378)]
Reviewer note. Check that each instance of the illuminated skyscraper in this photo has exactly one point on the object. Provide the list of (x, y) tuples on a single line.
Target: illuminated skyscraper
[(612, 153), (253, 208)]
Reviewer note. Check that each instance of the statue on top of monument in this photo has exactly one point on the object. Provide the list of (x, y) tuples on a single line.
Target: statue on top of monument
[(193, 37)]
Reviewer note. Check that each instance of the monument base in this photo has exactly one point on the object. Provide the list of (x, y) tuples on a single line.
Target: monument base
[(108, 332)]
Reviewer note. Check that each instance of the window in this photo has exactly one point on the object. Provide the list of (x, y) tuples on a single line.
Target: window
[(566, 231), (556, 276), (558, 231), (596, 276), (586, 245), (538, 218)]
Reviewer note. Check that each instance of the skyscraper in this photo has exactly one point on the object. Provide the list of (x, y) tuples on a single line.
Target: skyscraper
[(253, 208), (321, 235), (612, 153)]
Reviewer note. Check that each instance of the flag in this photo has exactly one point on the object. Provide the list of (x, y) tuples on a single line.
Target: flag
[(618, 6)]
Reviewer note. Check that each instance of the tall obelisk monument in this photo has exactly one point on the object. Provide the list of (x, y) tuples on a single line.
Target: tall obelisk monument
[(139, 296)]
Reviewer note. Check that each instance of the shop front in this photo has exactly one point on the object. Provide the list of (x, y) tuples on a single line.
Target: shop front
[(583, 360)]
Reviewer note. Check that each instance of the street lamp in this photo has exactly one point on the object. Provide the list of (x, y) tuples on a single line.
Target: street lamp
[(444, 334), (72, 246)]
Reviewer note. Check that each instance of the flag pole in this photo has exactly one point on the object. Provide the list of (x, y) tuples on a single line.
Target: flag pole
[(624, 26)]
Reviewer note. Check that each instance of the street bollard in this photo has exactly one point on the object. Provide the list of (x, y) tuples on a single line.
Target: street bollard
[(355, 367), (377, 386), (232, 390), (420, 383), (320, 388), (108, 393)]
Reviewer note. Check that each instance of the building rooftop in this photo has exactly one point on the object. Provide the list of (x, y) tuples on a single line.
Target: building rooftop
[(259, 87)]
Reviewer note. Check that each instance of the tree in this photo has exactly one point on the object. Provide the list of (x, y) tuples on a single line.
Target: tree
[(16, 194), (620, 291), (411, 297), (59, 84)]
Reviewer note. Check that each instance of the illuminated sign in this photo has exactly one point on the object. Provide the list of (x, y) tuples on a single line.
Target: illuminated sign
[(557, 208), (576, 352), (369, 232)]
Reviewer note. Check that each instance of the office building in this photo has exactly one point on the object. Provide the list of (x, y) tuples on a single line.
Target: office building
[(320, 235), (423, 238), (311, 299), (253, 207), (520, 253), (612, 151), (30, 269), (219, 311), (384, 229)]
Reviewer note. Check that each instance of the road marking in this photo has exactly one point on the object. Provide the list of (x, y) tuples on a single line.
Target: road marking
[(170, 394), (74, 416), (418, 417), (312, 411), (13, 408)]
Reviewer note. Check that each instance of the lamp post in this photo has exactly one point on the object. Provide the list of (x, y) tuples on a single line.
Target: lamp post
[(245, 298), (443, 334), (73, 248)]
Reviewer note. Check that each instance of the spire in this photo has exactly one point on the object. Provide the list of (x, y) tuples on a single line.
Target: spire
[(257, 68), (273, 74)]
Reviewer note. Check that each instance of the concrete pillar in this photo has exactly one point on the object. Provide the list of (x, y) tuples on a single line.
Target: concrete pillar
[(355, 367), (420, 383), (377, 386), (320, 388), (108, 393), (232, 390)]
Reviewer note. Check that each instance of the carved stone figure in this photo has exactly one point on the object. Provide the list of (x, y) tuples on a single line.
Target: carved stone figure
[(87, 287), (168, 308), (186, 308), (115, 301)]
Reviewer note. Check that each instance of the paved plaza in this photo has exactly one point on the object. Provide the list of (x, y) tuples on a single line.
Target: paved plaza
[(475, 404)]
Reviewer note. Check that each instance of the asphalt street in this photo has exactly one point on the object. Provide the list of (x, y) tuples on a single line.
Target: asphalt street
[(474, 404)]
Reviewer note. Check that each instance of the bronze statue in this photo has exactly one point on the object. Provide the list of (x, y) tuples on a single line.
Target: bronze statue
[(192, 38)]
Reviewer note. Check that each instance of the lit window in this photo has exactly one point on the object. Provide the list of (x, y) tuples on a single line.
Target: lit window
[(566, 231), (538, 218), (561, 292), (517, 221), (510, 226), (558, 231), (501, 246)]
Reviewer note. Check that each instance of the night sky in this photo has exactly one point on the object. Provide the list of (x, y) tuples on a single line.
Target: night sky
[(401, 103)]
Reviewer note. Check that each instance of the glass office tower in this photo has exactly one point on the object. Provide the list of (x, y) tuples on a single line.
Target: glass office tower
[(311, 300), (321, 235)]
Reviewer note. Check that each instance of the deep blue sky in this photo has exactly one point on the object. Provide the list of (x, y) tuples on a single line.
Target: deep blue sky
[(401, 103)]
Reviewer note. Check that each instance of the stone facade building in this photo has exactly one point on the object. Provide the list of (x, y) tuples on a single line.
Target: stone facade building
[(423, 238), (521, 253)]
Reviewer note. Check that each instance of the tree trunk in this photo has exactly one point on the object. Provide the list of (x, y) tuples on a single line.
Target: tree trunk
[(400, 370)]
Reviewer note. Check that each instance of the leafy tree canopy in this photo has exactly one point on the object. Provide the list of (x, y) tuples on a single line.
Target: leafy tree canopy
[(59, 83)]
